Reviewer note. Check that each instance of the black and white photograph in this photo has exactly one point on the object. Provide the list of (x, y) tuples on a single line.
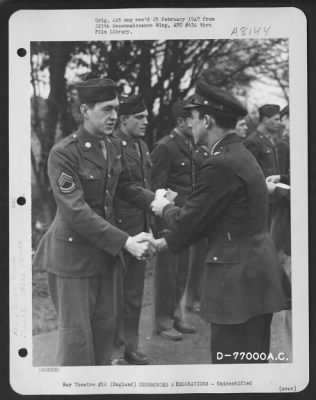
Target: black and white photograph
[(163, 225)]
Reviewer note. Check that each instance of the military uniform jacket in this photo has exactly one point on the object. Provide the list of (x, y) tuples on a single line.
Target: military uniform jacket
[(173, 166), (131, 219), (82, 240), (265, 152), (229, 206)]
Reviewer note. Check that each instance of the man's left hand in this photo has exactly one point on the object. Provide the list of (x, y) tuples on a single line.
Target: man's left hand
[(158, 205)]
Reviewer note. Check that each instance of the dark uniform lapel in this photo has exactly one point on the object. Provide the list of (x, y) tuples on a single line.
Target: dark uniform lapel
[(90, 146)]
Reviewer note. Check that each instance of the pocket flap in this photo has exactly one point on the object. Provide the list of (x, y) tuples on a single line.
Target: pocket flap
[(227, 253)]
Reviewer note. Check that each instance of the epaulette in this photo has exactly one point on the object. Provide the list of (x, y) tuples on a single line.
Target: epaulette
[(68, 140), (167, 138)]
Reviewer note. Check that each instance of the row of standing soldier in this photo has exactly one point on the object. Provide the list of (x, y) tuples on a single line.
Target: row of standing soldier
[(102, 189)]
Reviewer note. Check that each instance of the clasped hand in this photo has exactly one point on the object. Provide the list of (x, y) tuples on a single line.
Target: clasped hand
[(144, 245), (162, 198)]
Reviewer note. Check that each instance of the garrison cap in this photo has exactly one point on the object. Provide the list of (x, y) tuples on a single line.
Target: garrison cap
[(179, 109), (285, 111), (213, 98), (96, 90), (132, 104), (268, 110)]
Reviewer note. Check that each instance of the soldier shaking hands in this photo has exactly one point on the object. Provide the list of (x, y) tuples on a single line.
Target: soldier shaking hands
[(82, 247)]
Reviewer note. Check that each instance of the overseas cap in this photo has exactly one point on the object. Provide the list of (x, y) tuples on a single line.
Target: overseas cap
[(285, 111), (132, 104), (96, 90), (268, 110), (210, 97), (179, 109)]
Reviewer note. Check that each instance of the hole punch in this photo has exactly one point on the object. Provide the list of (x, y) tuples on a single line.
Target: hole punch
[(21, 52), (23, 353), (21, 201)]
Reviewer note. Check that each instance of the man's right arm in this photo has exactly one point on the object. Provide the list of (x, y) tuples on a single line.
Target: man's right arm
[(75, 211)]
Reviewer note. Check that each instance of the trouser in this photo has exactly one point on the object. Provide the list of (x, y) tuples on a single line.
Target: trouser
[(132, 289), (241, 343), (196, 272), (170, 282), (86, 318)]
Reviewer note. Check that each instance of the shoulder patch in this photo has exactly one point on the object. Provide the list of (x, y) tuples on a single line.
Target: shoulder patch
[(66, 183)]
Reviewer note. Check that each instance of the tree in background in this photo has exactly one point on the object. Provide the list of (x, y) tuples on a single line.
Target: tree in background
[(163, 71)]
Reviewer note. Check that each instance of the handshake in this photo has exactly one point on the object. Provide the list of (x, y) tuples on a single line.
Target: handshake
[(144, 245)]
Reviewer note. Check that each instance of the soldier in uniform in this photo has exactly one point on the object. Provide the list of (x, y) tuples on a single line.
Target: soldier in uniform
[(133, 120), (173, 168), (81, 248), (263, 145), (262, 142), (243, 280)]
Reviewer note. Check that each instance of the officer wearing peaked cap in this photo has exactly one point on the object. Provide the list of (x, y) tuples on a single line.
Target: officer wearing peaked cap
[(133, 121), (243, 283), (174, 167), (82, 247)]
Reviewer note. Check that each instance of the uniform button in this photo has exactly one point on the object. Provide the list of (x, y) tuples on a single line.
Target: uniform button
[(91, 176), (109, 176), (205, 154), (74, 135), (70, 239), (87, 145), (215, 258), (182, 163)]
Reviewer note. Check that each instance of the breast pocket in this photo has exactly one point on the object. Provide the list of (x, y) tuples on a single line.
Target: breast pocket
[(226, 252), (182, 166), (91, 184)]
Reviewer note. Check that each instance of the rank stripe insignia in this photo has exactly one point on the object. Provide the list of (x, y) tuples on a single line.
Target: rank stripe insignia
[(66, 183)]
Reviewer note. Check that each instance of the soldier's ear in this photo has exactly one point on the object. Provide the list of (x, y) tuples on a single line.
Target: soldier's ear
[(84, 110), (209, 121), (123, 119)]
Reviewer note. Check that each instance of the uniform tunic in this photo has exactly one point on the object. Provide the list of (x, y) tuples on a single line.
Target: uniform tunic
[(229, 206), (174, 167), (83, 242), (265, 152), (133, 221)]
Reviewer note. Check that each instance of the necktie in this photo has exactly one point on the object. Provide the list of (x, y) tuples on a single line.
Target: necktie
[(103, 148), (136, 144)]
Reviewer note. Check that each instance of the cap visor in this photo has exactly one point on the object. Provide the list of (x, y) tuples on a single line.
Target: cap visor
[(191, 105)]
